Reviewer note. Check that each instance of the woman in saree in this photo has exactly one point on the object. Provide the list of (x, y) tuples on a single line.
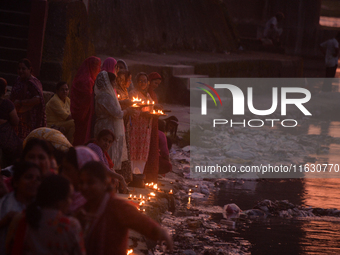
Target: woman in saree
[(140, 134), (82, 99), (109, 115), (27, 96), (109, 65)]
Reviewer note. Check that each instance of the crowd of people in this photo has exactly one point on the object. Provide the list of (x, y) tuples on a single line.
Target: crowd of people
[(63, 161)]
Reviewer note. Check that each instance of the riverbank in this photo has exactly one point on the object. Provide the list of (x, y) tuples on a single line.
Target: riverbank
[(199, 224)]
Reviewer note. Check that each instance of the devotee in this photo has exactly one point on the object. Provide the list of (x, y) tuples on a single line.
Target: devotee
[(109, 65), (100, 146), (152, 165), (82, 99), (272, 30), (140, 128), (165, 165), (58, 112), (74, 159), (155, 79), (27, 96), (58, 141), (123, 82), (43, 228), (107, 231), (40, 152), (10, 143), (109, 115), (26, 180), (121, 65)]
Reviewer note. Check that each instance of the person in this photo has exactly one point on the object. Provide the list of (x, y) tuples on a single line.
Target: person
[(74, 159), (109, 65), (43, 228), (140, 128), (153, 162), (26, 180), (100, 146), (40, 152), (110, 116), (123, 82), (272, 30), (155, 79), (10, 143), (107, 231), (165, 165), (27, 96), (330, 49), (82, 99), (121, 65), (58, 111)]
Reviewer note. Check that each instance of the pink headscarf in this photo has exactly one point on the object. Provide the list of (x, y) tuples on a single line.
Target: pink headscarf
[(109, 65), (84, 155)]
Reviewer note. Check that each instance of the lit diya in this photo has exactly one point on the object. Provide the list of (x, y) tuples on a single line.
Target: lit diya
[(158, 112)]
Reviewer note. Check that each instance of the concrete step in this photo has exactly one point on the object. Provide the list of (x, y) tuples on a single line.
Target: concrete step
[(12, 54), (182, 70), (12, 42), (14, 17), (180, 87), (16, 31)]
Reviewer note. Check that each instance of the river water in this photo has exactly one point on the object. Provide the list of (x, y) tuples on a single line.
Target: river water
[(318, 235)]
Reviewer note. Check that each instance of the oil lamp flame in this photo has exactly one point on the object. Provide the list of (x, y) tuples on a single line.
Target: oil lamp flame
[(136, 99), (129, 252)]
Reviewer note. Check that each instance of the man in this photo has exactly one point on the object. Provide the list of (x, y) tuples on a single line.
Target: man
[(330, 49), (271, 29)]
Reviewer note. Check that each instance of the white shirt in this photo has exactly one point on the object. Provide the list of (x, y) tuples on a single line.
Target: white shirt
[(331, 45), (268, 26)]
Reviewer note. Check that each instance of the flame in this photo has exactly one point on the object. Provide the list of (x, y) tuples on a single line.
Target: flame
[(118, 96), (155, 186), (136, 99), (129, 252), (153, 102), (160, 112), (148, 102), (152, 194), (170, 192), (134, 105), (143, 102)]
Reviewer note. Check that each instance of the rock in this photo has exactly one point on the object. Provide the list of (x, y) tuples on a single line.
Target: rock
[(186, 148), (255, 213), (205, 191), (197, 195), (189, 252), (231, 209)]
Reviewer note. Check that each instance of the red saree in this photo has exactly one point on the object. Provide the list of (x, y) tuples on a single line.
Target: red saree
[(82, 99)]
